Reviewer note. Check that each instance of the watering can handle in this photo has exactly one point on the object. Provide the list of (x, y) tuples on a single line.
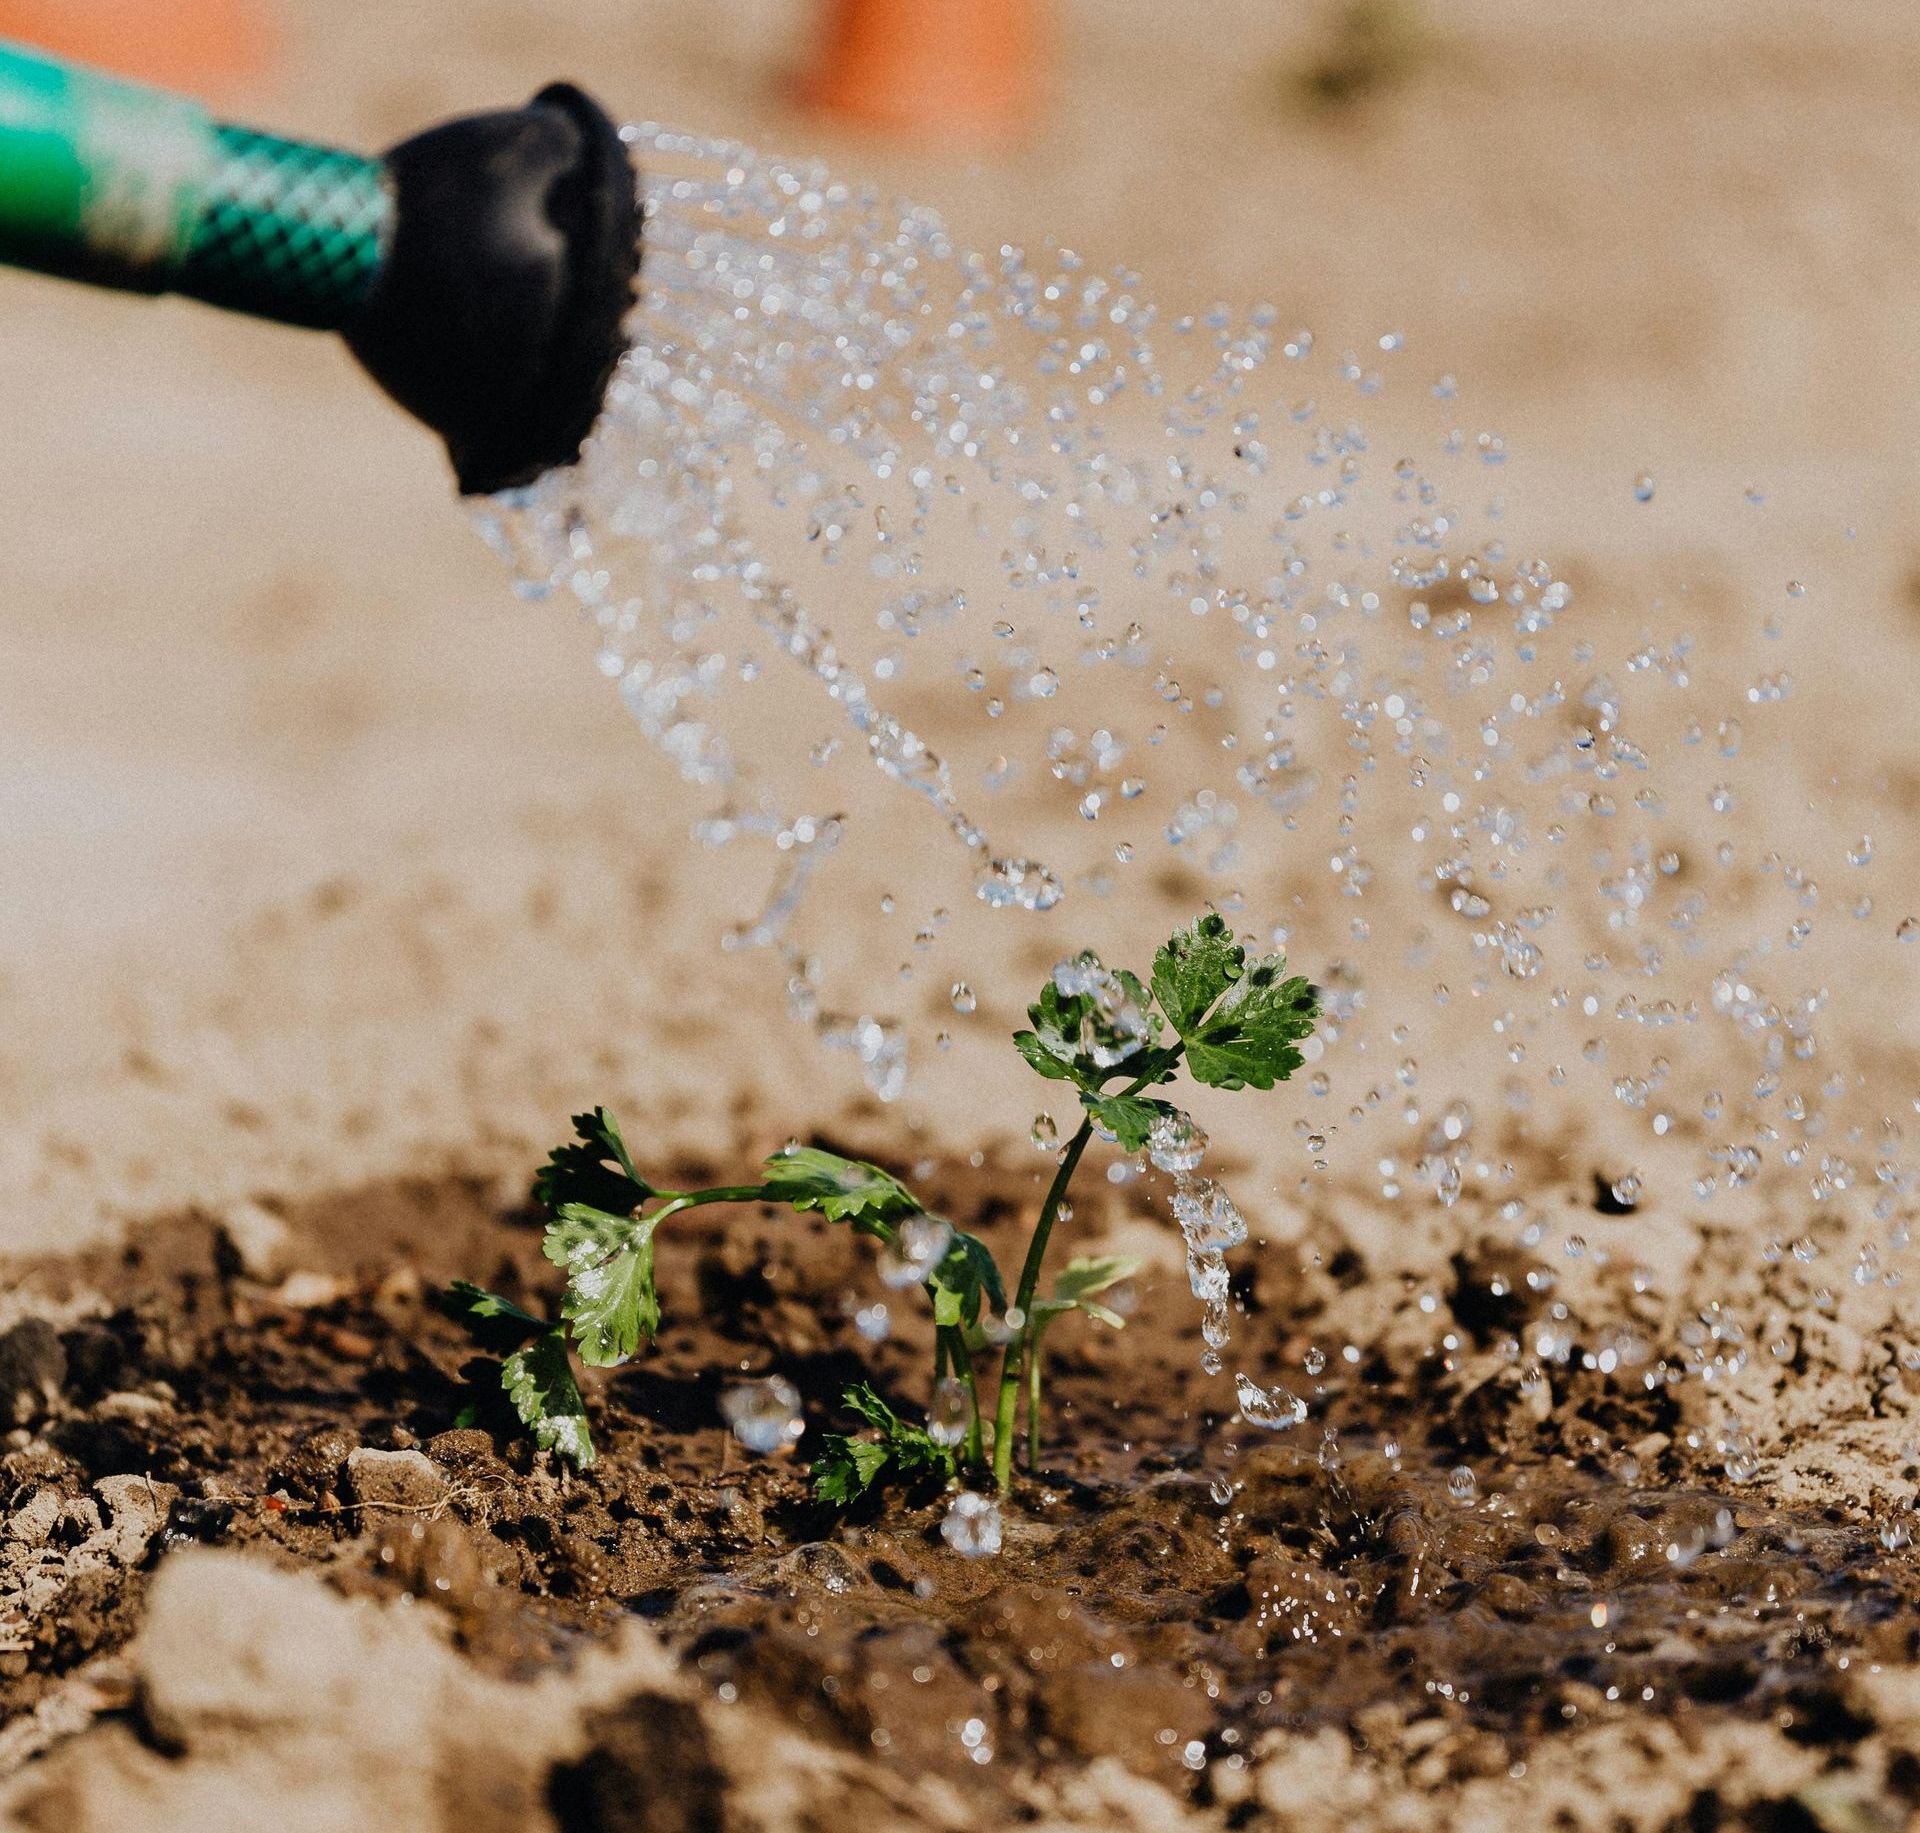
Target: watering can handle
[(123, 186)]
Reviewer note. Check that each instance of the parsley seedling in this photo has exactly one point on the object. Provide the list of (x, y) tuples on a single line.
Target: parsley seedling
[(1234, 1021)]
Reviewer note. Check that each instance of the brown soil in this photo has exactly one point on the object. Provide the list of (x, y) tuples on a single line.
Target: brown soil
[(327, 865), (1180, 1598)]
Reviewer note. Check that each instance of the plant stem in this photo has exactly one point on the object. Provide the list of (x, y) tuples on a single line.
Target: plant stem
[(976, 1432), (1010, 1369), (678, 1200), (950, 1354), (1033, 1400), (1024, 1348)]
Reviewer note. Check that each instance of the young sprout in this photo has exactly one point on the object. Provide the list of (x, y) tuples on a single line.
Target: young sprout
[(1234, 1022), (602, 1236)]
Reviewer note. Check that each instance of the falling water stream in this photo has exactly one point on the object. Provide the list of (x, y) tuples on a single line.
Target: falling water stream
[(1139, 614)]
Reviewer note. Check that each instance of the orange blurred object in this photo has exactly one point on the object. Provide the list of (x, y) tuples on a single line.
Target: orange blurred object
[(205, 48), (965, 68)]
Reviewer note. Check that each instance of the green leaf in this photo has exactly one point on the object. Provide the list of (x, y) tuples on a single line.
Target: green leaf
[(1043, 1056), (966, 1274), (1194, 968), (492, 1321), (1077, 1284), (1239, 1021), (861, 1399), (1129, 1118), (597, 1171), (611, 1302), (842, 1189), (1249, 1039), (539, 1383), (848, 1467), (1076, 1039)]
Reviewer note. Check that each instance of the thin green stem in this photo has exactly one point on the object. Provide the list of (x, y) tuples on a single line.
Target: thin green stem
[(1033, 1399), (1019, 1351), (678, 1200), (1010, 1369), (951, 1355), (976, 1431)]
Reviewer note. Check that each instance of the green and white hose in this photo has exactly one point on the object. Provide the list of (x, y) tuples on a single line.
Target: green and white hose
[(108, 182), (481, 271)]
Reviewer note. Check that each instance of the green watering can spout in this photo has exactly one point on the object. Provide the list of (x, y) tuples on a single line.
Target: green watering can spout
[(480, 271)]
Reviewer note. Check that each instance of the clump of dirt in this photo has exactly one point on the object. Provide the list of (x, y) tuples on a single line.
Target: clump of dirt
[(1455, 1567)]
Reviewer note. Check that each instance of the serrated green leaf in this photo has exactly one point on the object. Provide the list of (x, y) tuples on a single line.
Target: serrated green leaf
[(1249, 1040), (1041, 1056), (597, 1171), (966, 1275), (540, 1386), (861, 1399), (847, 1468), (492, 1321), (842, 1189), (611, 1302), (1129, 1118), (1075, 1039), (1194, 968)]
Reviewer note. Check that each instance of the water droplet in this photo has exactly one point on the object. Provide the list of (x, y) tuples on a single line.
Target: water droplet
[(948, 1413), (1272, 1409), (1176, 1144), (963, 999), (764, 1415), (972, 1525), (1018, 883), (1462, 1485), (1643, 488), (1209, 1219), (919, 1244), (1044, 1133), (1739, 1457)]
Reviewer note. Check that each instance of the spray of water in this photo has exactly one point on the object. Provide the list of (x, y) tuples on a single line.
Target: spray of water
[(1183, 631)]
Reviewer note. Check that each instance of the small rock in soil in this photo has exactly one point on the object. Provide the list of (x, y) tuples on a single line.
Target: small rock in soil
[(35, 1517), (136, 1510), (395, 1479), (33, 1370), (306, 1291), (259, 1242)]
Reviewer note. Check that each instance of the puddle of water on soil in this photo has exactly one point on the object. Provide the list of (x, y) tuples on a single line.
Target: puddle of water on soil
[(1153, 590)]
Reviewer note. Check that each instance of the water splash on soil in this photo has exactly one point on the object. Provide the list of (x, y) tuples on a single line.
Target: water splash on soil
[(1149, 586)]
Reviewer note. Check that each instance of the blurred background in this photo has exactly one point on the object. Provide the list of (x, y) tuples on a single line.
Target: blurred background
[(324, 856)]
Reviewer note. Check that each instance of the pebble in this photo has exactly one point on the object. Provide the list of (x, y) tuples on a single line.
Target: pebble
[(130, 1406), (262, 1243), (136, 1509), (308, 1291), (33, 1522)]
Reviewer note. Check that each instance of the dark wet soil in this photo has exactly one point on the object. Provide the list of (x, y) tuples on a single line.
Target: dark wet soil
[(1445, 1544)]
